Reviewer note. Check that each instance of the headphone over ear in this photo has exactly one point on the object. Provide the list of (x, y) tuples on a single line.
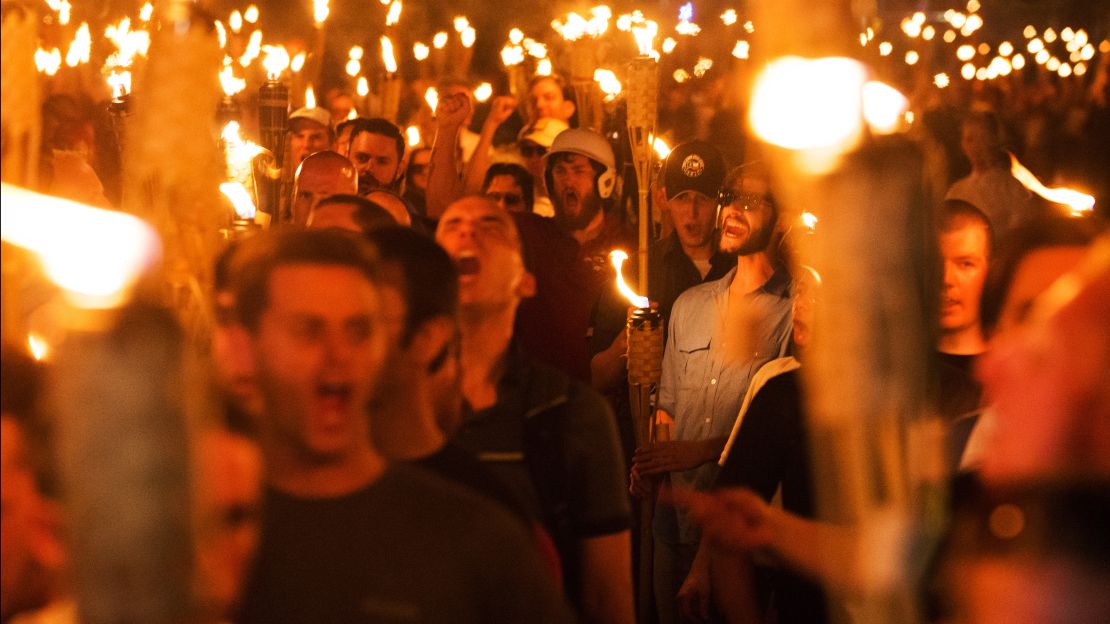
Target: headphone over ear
[(606, 182)]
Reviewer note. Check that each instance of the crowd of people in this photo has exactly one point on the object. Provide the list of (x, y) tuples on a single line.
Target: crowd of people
[(425, 410)]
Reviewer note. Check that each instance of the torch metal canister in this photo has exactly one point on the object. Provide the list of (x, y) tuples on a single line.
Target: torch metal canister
[(645, 367), (119, 108), (273, 121)]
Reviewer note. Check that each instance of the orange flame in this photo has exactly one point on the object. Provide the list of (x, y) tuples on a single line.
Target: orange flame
[(618, 257), (1079, 203)]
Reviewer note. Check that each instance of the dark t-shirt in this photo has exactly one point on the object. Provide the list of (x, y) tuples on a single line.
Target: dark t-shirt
[(552, 326), (408, 548), (771, 449), (572, 474), (957, 397)]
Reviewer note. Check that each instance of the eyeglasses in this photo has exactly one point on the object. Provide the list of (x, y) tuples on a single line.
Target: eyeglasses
[(532, 151), (509, 199), (743, 201)]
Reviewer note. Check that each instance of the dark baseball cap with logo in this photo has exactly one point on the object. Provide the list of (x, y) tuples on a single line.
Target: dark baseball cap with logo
[(694, 166)]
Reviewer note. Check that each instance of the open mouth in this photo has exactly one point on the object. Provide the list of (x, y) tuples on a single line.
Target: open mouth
[(570, 202), (468, 265), (733, 228), (335, 395)]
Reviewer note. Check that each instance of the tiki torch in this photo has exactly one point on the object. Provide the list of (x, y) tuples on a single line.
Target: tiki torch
[(120, 106), (581, 34), (273, 120), (642, 87), (645, 367), (391, 84)]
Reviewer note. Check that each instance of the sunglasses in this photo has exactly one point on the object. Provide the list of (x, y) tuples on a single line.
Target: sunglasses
[(532, 151), (743, 201), (510, 199)]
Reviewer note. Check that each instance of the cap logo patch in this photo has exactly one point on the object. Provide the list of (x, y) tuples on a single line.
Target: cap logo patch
[(693, 166)]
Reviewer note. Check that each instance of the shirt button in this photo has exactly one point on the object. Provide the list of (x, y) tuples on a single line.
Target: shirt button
[(713, 382)]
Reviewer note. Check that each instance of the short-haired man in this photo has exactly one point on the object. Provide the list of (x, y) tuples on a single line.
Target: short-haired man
[(348, 536), (964, 236), (720, 334), (990, 187), (377, 148), (550, 437), (510, 185), (570, 252), (321, 175), (351, 213), (548, 98), (309, 132)]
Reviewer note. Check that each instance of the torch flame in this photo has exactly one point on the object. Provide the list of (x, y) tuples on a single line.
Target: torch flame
[(662, 150), (412, 136), (431, 96), (38, 346), (468, 37), (512, 55), (320, 11), (394, 14), (644, 31), (48, 62), (95, 255), (809, 220), (617, 257), (235, 21), (544, 68), (461, 23), (297, 64), (120, 83), (79, 50), (240, 199), (420, 51), (231, 85), (275, 61), (483, 92), (362, 87), (146, 12), (253, 50), (1078, 203), (309, 97), (439, 40), (388, 59), (608, 82), (251, 14)]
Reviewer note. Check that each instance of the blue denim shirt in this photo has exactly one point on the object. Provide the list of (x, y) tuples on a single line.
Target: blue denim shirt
[(705, 377)]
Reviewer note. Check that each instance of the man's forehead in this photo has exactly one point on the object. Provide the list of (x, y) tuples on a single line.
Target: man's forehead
[(477, 209), (321, 285), (324, 178), (546, 86), (306, 125), (756, 184), (371, 141), (571, 159)]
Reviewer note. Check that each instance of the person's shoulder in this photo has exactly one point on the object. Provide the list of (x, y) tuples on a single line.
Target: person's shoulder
[(420, 489)]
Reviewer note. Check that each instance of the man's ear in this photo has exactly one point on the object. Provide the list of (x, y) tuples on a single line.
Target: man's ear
[(428, 340), (527, 286)]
